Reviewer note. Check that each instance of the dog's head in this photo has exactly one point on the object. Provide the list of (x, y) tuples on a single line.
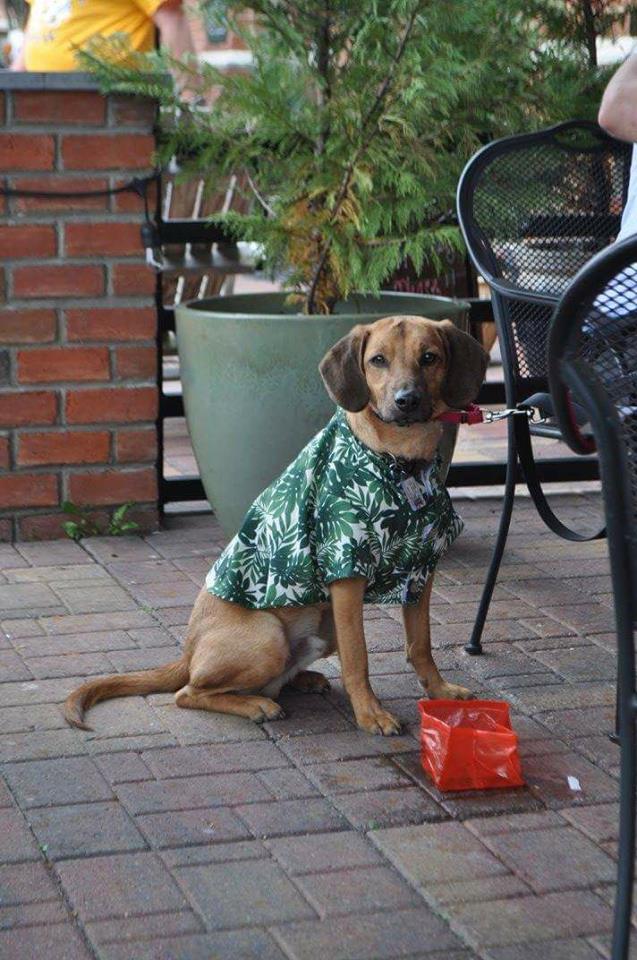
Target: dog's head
[(406, 369)]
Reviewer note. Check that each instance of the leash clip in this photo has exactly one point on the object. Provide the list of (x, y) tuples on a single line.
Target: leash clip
[(493, 416), (535, 415), (532, 413)]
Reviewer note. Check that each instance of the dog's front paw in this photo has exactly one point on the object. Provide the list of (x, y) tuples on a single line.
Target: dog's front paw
[(449, 691), (376, 720)]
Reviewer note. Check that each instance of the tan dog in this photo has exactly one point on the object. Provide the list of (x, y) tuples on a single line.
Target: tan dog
[(393, 377)]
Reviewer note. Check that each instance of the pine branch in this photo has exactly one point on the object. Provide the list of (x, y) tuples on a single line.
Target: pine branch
[(350, 129), (590, 32), (266, 206), (347, 176), (324, 86)]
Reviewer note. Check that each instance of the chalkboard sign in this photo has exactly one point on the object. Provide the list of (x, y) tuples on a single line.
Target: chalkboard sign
[(452, 279)]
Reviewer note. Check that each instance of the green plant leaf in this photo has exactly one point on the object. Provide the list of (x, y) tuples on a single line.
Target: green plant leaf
[(130, 525), (72, 530), (121, 512)]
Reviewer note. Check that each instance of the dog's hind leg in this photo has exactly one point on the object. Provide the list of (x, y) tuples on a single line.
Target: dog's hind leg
[(253, 707), (310, 681), (233, 663)]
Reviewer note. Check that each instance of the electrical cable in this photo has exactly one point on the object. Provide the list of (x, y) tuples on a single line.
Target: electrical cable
[(138, 185)]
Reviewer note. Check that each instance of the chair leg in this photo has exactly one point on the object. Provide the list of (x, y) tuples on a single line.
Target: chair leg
[(614, 736), (474, 647), (626, 865)]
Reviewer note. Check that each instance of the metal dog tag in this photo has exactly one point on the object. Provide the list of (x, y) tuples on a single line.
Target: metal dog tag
[(413, 491)]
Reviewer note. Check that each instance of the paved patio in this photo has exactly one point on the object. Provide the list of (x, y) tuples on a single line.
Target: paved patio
[(190, 836)]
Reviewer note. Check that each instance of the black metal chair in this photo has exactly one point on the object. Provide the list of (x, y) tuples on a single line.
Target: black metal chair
[(533, 209), (592, 361)]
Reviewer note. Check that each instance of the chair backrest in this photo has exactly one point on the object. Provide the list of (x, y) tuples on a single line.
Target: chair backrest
[(533, 209), (592, 358)]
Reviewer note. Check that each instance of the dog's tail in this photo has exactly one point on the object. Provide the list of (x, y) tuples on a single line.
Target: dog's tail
[(165, 679)]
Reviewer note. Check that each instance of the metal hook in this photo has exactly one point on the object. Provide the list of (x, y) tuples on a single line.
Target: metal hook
[(533, 413)]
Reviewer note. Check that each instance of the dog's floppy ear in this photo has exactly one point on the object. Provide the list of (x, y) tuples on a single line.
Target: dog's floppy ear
[(466, 366), (342, 371)]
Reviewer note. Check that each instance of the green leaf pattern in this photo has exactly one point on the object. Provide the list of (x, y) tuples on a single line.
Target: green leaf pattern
[(338, 511)]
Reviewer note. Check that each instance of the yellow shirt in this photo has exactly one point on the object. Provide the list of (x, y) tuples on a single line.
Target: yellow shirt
[(57, 27)]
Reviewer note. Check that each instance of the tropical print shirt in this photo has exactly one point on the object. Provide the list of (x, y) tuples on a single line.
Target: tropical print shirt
[(339, 510)]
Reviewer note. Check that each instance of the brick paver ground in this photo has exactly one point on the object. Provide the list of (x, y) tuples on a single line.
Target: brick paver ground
[(176, 835)]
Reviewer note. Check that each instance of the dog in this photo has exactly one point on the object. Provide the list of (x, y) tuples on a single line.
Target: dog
[(362, 515)]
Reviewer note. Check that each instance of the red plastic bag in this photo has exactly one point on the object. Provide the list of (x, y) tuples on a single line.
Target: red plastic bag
[(469, 744)]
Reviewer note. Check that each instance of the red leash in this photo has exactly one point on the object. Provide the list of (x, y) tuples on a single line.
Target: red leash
[(473, 414)]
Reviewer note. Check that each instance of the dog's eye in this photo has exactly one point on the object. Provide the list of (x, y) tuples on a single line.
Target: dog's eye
[(379, 360), (427, 359)]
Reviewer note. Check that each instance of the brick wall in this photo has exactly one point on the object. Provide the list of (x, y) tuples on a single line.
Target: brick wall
[(78, 397)]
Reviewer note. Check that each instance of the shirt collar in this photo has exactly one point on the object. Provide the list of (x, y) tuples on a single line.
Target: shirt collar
[(397, 467)]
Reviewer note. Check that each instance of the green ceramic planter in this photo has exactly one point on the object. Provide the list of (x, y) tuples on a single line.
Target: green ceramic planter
[(252, 391)]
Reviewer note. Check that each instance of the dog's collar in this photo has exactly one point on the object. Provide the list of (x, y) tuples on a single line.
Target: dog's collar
[(471, 414), (398, 467), (401, 467)]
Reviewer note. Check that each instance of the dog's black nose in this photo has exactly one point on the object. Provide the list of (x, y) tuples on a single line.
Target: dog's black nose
[(407, 400)]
